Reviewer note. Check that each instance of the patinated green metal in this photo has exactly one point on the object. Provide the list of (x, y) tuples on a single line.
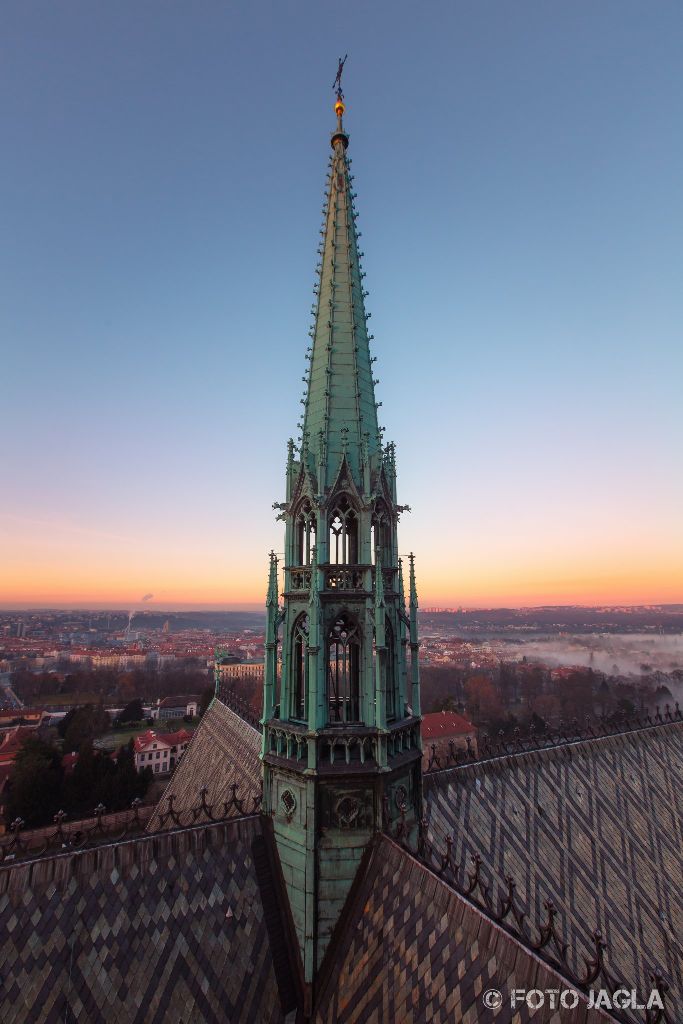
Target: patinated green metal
[(340, 413), (338, 762)]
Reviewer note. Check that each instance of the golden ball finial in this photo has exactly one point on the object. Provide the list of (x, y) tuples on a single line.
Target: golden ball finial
[(339, 108)]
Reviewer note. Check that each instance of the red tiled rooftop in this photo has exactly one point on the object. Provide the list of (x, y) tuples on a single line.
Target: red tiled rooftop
[(445, 723), (144, 738), (12, 741), (174, 738), (170, 738)]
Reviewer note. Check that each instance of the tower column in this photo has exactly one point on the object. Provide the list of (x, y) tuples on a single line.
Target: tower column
[(344, 746)]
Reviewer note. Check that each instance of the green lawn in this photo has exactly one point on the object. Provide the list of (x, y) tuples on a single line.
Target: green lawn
[(117, 737)]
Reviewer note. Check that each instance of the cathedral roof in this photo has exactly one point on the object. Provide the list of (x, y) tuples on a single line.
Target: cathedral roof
[(141, 929), (595, 826), (224, 752), (340, 412), (175, 927), (412, 949)]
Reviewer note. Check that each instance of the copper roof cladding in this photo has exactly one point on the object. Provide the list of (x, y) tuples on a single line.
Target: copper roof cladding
[(340, 412)]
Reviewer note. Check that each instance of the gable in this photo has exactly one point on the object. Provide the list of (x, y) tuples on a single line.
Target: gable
[(224, 752)]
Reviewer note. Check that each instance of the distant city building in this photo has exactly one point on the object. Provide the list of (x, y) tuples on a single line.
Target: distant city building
[(108, 659), (12, 717), (155, 660), (176, 707), (160, 751), (231, 671)]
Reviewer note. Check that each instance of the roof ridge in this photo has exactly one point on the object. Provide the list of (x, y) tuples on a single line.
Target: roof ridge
[(238, 709), (109, 833)]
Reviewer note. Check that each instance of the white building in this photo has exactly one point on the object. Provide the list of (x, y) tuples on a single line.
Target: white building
[(176, 707), (160, 751)]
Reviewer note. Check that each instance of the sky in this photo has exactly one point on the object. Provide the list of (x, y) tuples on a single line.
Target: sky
[(518, 170)]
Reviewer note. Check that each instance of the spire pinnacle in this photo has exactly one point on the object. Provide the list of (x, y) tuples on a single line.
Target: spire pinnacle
[(339, 108), (401, 589), (379, 591), (272, 598), (413, 587), (340, 412)]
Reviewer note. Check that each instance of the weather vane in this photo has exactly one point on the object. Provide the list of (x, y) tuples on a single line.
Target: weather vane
[(336, 85)]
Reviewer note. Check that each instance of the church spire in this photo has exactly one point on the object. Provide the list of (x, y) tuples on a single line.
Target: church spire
[(340, 409), (341, 742)]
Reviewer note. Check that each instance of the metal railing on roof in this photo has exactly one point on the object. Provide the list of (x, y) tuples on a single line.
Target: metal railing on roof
[(24, 844), (241, 707), (502, 907), (504, 745)]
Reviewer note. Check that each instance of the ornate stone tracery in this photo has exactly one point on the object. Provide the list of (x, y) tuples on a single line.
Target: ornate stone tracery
[(305, 533), (299, 707), (343, 537), (343, 670)]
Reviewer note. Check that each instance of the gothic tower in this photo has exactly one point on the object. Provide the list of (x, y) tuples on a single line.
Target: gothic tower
[(341, 720)]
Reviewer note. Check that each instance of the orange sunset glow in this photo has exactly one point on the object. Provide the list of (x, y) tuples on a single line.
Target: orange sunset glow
[(54, 566)]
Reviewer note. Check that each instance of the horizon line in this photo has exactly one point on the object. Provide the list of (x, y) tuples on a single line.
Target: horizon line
[(178, 607)]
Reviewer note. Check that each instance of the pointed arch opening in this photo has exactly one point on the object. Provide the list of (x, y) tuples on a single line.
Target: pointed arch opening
[(343, 533), (380, 535), (299, 696), (304, 537), (343, 670), (390, 672)]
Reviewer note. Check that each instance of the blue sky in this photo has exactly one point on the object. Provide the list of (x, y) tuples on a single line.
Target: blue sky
[(518, 168)]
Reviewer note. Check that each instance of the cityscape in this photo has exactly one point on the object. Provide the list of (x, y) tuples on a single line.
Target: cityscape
[(345, 760)]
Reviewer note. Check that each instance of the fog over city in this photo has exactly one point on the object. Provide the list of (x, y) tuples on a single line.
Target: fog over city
[(614, 654)]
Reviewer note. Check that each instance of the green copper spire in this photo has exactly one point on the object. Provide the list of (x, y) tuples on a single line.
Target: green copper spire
[(340, 414), (341, 741), (271, 599)]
